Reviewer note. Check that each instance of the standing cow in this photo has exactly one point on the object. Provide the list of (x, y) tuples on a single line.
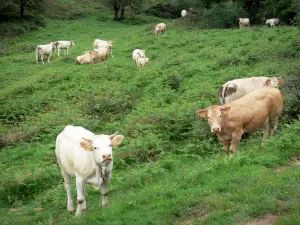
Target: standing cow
[(272, 22), (65, 45), (160, 29), (88, 157), (244, 22), (258, 109), (235, 89)]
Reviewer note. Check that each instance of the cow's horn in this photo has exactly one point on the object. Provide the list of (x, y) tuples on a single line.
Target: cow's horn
[(113, 135), (87, 139)]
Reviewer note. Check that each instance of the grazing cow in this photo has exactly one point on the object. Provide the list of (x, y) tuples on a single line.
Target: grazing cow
[(100, 55), (272, 22), (86, 58), (138, 53), (65, 45), (88, 157), (160, 28), (236, 89), (183, 13), (103, 44), (258, 109), (44, 50), (244, 22), (142, 62)]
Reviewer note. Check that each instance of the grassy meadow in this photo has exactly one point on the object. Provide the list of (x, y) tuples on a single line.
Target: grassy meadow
[(170, 169)]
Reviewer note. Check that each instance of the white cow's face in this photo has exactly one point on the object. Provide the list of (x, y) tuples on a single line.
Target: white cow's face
[(101, 145)]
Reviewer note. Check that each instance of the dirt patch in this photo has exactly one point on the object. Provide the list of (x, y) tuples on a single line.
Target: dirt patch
[(268, 219), (294, 162), (196, 214)]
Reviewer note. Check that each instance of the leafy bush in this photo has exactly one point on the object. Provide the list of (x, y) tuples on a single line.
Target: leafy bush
[(110, 105), (291, 91)]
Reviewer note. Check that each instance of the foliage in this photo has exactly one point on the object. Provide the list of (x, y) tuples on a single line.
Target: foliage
[(296, 8)]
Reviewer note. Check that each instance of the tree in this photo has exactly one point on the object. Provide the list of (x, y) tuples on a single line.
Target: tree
[(120, 5)]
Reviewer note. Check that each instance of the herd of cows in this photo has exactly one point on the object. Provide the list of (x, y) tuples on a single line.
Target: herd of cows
[(246, 105)]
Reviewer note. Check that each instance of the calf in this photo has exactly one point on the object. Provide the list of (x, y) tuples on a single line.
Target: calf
[(86, 58), (160, 28), (44, 50), (138, 53), (65, 45), (88, 157), (100, 55), (142, 62), (244, 22), (258, 109), (236, 89), (103, 44), (272, 22)]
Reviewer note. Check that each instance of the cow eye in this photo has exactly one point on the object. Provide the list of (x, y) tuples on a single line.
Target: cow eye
[(95, 148), (220, 116), (110, 145), (208, 117)]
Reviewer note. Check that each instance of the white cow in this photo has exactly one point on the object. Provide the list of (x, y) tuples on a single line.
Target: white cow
[(142, 62), (138, 53), (235, 89), (272, 22), (183, 13), (86, 58), (100, 55), (65, 45), (44, 50), (244, 22), (88, 157), (103, 44), (160, 28)]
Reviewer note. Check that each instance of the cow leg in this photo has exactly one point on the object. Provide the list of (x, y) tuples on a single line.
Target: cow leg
[(236, 137), (226, 145), (64, 51), (49, 56), (80, 187), (266, 131), (273, 125), (104, 192), (58, 50), (67, 51), (42, 58), (68, 184)]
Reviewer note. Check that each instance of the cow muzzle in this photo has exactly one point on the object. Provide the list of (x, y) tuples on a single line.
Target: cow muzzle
[(107, 157), (216, 129)]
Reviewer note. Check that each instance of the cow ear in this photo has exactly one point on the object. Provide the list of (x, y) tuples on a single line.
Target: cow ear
[(202, 113), (280, 80), (225, 109), (86, 145), (117, 140)]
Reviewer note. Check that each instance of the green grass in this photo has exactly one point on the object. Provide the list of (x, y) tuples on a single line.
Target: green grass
[(170, 168)]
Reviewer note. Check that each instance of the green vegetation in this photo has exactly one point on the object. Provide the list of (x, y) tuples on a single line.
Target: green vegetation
[(170, 168)]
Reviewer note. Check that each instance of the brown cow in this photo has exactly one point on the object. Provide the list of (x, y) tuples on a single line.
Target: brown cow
[(258, 109)]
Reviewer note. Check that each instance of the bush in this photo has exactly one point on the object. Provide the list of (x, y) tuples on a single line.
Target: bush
[(291, 89), (296, 7), (222, 15), (110, 105)]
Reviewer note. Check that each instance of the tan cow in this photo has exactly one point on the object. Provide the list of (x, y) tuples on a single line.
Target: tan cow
[(100, 55), (235, 89), (258, 109), (160, 28)]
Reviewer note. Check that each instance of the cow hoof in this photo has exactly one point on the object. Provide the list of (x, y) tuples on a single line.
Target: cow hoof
[(78, 213), (70, 209)]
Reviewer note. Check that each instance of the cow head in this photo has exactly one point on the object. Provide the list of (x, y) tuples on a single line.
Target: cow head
[(101, 145), (214, 115), (72, 43), (274, 81)]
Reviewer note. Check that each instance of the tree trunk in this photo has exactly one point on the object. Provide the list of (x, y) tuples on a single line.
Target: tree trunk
[(22, 8), (122, 13), (116, 10)]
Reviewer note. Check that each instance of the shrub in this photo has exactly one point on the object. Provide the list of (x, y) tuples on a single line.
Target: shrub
[(291, 89), (110, 105)]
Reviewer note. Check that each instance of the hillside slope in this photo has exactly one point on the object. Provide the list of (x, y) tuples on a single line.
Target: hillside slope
[(170, 169)]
